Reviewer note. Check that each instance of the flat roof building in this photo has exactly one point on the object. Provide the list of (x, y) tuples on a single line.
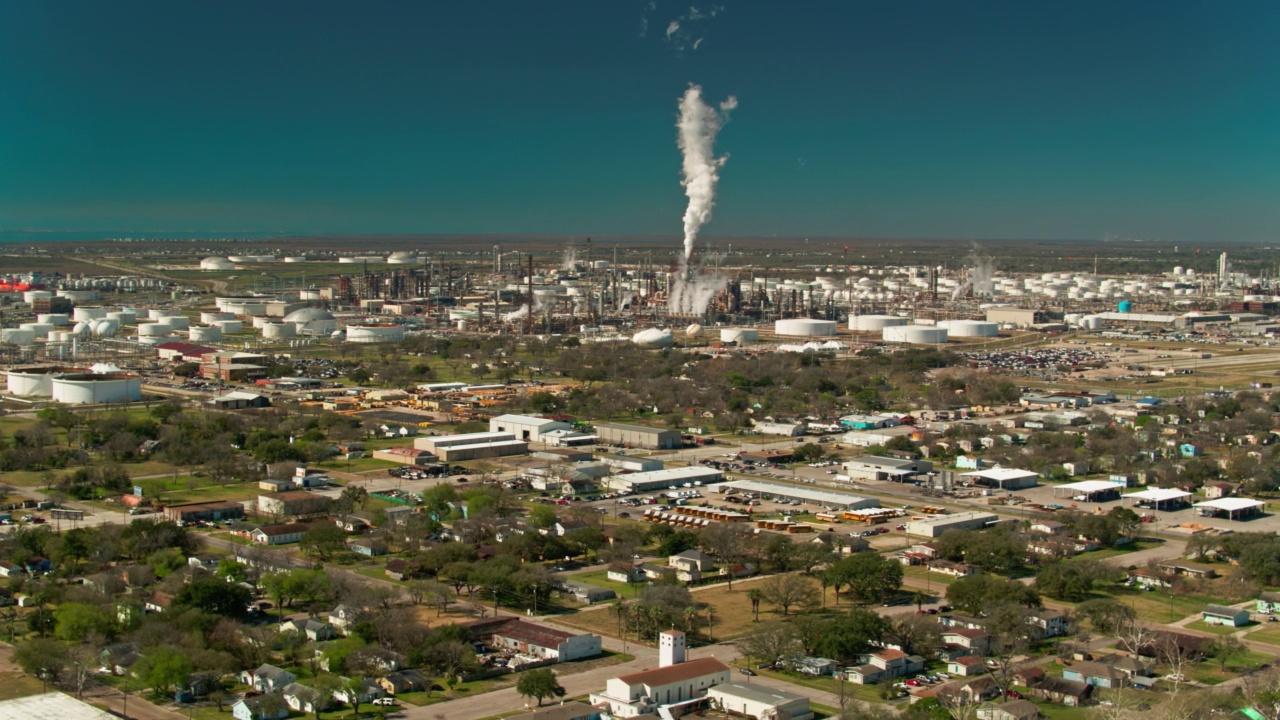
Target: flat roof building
[(876, 467), (935, 525), (1004, 478), (760, 702), (638, 436), (526, 427), (472, 446), (811, 496), (664, 479)]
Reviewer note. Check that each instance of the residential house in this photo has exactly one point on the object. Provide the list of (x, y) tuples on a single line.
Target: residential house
[(1048, 527), (279, 534), (887, 663), (1011, 710), (953, 569), (157, 602), (315, 630), (961, 641), (368, 691), (398, 569), (625, 572), (1224, 615), (690, 564), (204, 561), (1268, 603), (118, 658), (816, 666), (738, 570), (1094, 673), (1061, 690), (1142, 577), (342, 617), (1048, 623), (592, 594), (305, 699), (927, 549), (369, 547), (353, 523), (1188, 570), (403, 681), (564, 527), (1213, 491), (8, 569), (966, 665), (261, 707), (973, 690), (268, 678), (1028, 676)]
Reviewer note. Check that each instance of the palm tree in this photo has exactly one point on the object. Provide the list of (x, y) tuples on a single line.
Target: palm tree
[(691, 616), (919, 598), (711, 621), (756, 595)]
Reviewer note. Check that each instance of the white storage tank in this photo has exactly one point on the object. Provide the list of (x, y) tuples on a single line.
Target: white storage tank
[(212, 317), (54, 319), (105, 328), (915, 334), (204, 333), (36, 381), (83, 314), (80, 296), (805, 327), (85, 388), (653, 337), (1091, 322), (260, 321), (17, 336), (31, 296), (123, 317), (294, 259), (154, 329), (177, 322), (217, 263), (375, 333), (59, 336), (279, 330), (82, 329), (230, 327), (874, 323), (739, 335), (970, 328), (40, 329)]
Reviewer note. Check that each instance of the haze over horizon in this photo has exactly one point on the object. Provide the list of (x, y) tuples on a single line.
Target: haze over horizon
[(874, 119)]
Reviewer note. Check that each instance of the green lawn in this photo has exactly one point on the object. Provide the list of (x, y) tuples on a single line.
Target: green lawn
[(1155, 606), (600, 578), (1210, 672), (867, 693), (1265, 634)]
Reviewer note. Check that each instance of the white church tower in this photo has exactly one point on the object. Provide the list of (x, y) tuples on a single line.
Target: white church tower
[(670, 648)]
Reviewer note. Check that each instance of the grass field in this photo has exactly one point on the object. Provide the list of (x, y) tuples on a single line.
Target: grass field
[(601, 578), (16, 685), (1203, 626), (1269, 634), (1155, 606), (1210, 672)]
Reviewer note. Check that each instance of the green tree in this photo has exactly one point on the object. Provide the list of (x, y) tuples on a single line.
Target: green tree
[(77, 621), (324, 540), (232, 571), (542, 516), (1226, 648), (216, 597), (976, 594), (539, 684), (790, 590), (44, 658), (163, 668), (868, 577)]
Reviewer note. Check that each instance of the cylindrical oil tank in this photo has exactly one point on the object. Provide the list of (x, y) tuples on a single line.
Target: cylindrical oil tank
[(294, 259), (34, 381), (154, 329), (59, 336), (204, 333), (40, 329), (739, 335), (1091, 322), (260, 321), (915, 334), (279, 330), (88, 313), (80, 296), (177, 322), (970, 328), (874, 323), (1072, 319), (82, 329), (123, 317), (375, 333), (805, 327), (54, 319), (31, 296), (104, 328), (17, 336), (85, 388), (230, 327), (212, 317)]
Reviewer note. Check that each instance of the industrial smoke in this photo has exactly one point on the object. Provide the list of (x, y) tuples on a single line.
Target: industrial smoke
[(699, 123)]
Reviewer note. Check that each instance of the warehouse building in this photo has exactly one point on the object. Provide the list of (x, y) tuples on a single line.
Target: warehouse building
[(824, 498), (292, 502), (876, 467), (472, 446), (936, 525), (664, 479), (195, 512), (404, 455), (1003, 478), (638, 436), (526, 427), (626, 463), (760, 702)]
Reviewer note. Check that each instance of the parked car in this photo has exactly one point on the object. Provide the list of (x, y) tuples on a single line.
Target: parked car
[(748, 672)]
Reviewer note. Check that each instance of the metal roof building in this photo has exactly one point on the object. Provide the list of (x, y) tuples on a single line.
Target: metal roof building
[(811, 496)]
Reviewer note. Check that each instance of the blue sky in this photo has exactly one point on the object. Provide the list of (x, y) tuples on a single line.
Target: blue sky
[(987, 119)]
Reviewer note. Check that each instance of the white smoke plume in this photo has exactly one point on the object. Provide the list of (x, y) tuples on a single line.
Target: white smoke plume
[(683, 33), (569, 262), (979, 277), (691, 294), (522, 312), (698, 125)]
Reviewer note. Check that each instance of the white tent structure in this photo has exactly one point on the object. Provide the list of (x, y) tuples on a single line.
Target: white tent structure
[(1233, 508), (1159, 498)]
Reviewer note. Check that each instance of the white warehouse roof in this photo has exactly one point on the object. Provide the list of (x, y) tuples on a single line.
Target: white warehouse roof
[(999, 474), (1231, 504), (1159, 494), (50, 705), (824, 497), (1089, 486)]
